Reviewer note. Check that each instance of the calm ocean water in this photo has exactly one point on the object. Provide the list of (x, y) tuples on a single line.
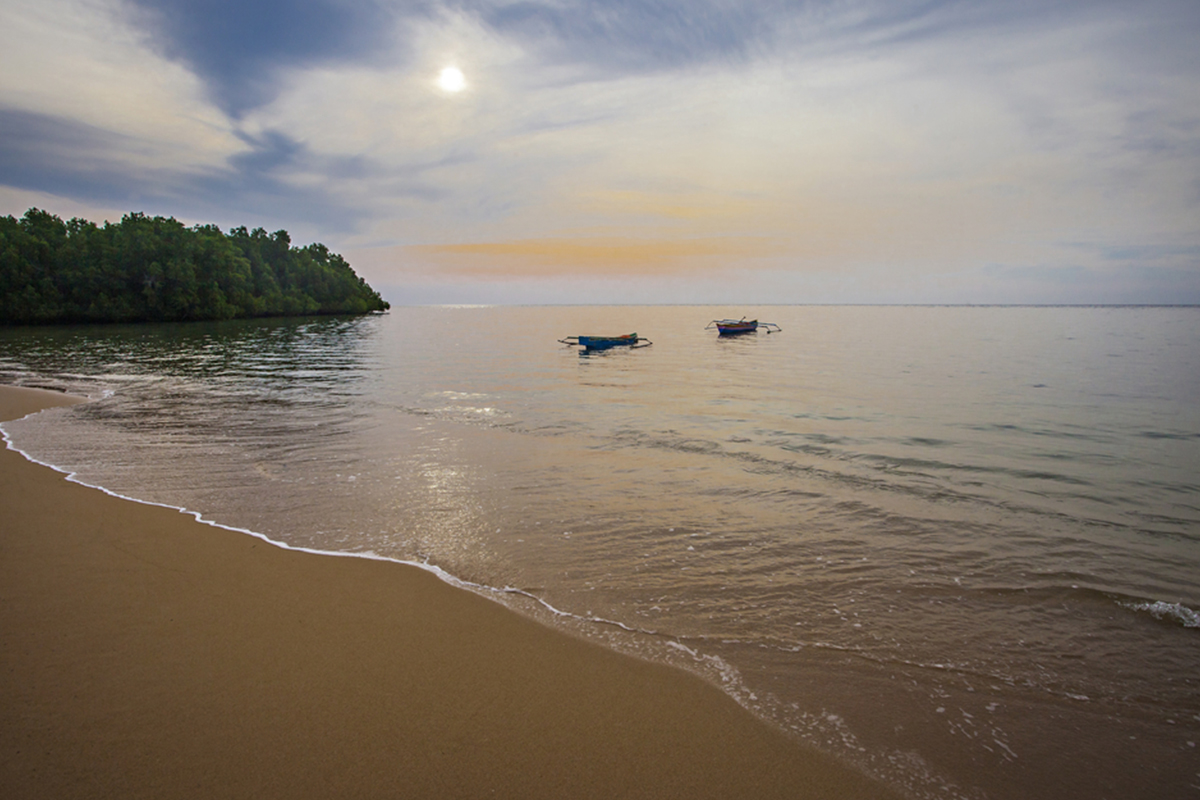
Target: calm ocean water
[(957, 547)]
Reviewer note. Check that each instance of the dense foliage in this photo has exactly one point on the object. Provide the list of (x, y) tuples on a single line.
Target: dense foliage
[(156, 269)]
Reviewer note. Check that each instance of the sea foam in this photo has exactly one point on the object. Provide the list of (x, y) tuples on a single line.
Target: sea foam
[(1169, 612)]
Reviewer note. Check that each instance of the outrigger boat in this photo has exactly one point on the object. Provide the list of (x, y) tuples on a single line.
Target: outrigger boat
[(605, 342), (730, 327)]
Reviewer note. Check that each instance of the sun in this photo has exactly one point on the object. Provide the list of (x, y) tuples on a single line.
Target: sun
[(451, 79)]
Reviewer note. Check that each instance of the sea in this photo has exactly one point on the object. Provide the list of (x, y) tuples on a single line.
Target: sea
[(954, 547)]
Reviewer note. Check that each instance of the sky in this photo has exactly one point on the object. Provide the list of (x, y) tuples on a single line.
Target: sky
[(636, 151)]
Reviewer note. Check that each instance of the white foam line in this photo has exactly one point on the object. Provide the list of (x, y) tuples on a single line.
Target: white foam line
[(73, 477), (442, 574), (729, 675), (558, 611)]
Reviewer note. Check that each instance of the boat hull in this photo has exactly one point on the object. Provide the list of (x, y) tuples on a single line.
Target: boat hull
[(606, 342), (735, 328)]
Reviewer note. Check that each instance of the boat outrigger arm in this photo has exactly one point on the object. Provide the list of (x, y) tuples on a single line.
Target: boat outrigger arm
[(742, 325), (605, 342)]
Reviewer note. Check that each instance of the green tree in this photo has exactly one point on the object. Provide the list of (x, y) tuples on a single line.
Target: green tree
[(156, 269)]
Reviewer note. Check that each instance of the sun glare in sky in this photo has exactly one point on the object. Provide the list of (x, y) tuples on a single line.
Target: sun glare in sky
[(451, 79)]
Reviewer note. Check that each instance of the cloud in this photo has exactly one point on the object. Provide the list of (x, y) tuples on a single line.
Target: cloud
[(1146, 255), (633, 35), (244, 50), (61, 156), (648, 36), (592, 257), (241, 47)]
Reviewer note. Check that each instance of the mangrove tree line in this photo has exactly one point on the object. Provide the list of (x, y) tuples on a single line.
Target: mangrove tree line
[(157, 269)]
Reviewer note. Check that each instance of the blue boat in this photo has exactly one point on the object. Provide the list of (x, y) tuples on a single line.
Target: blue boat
[(605, 342)]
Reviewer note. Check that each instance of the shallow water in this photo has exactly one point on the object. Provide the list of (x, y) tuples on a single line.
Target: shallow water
[(956, 546)]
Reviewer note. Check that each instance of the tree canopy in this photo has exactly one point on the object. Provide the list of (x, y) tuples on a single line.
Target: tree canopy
[(155, 269)]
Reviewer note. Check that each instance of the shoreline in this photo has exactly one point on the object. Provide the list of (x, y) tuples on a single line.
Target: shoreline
[(147, 654)]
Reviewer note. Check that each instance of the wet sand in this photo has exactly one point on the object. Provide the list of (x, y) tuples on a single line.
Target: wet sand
[(144, 654)]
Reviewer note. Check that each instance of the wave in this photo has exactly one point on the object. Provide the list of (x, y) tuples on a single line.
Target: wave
[(1168, 612)]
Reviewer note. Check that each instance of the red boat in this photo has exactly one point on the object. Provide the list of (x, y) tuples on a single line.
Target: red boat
[(730, 327)]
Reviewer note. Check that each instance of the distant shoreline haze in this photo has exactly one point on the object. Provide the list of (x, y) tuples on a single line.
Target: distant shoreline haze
[(155, 269)]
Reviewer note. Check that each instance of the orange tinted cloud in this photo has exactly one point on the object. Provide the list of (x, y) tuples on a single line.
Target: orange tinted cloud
[(609, 256)]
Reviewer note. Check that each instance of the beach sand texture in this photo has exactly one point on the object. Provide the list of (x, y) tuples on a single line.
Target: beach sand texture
[(144, 654)]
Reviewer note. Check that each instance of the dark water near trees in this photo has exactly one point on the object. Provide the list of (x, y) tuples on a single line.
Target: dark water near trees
[(956, 546)]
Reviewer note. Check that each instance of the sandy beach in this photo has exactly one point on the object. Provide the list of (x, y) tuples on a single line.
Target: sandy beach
[(145, 654)]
